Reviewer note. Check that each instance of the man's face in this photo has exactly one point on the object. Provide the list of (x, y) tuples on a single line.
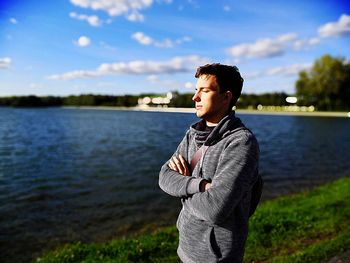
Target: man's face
[(210, 104)]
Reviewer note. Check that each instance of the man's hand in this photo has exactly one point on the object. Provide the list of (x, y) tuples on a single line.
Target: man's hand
[(204, 186), (179, 165)]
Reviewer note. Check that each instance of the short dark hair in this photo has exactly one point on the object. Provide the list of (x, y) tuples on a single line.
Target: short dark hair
[(227, 77)]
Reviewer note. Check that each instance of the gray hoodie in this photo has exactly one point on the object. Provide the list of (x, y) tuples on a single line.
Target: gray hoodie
[(213, 225)]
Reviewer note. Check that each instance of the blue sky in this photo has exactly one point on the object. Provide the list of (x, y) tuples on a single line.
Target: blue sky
[(121, 47)]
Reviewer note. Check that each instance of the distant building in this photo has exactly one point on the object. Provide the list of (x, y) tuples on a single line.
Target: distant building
[(155, 101), (292, 100)]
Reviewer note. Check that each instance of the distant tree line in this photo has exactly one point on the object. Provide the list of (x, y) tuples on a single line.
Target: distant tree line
[(81, 100), (179, 100), (182, 100), (271, 99)]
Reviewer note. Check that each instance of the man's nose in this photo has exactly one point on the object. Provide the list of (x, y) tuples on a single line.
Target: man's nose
[(196, 97)]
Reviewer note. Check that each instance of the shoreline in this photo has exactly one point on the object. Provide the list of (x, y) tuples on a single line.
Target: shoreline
[(239, 111), (292, 239)]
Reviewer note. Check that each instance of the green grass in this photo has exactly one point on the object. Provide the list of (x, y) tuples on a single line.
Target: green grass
[(307, 227)]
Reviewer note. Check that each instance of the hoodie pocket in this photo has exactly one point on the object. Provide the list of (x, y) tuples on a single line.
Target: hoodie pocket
[(194, 237), (212, 243), (221, 242)]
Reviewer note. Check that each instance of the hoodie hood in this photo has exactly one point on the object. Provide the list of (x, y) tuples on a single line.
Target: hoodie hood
[(226, 126)]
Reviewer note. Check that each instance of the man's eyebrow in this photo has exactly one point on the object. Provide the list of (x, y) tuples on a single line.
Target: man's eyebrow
[(209, 87)]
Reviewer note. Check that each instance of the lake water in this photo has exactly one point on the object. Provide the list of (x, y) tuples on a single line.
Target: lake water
[(92, 175)]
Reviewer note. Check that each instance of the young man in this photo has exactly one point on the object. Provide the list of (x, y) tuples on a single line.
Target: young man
[(220, 187)]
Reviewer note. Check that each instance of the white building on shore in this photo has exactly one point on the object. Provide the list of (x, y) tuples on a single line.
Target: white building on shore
[(155, 101)]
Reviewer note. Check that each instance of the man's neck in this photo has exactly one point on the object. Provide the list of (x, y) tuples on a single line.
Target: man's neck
[(214, 123), (211, 124)]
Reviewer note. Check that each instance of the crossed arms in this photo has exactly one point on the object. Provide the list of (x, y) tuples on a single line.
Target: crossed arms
[(214, 201), (180, 165)]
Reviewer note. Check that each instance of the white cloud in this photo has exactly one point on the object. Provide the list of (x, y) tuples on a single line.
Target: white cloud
[(267, 47), (176, 64), (286, 38), (152, 78), (137, 67), (166, 43), (129, 8), (314, 41), (288, 70), (76, 74), (271, 47), (83, 41), (339, 28), (172, 84), (183, 40), (92, 20), (300, 43), (142, 38), (252, 75), (13, 21), (233, 61), (5, 62), (135, 16)]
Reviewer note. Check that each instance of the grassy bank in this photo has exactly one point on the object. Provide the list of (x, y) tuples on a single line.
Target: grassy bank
[(311, 226)]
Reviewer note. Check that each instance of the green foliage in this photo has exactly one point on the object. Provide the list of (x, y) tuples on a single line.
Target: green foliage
[(182, 100), (289, 224), (270, 99), (318, 252), (100, 100), (81, 100), (326, 85), (30, 101), (158, 247), (305, 227), (179, 100)]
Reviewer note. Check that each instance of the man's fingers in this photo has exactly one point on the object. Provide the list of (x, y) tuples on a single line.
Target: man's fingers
[(172, 165), (178, 165), (184, 165)]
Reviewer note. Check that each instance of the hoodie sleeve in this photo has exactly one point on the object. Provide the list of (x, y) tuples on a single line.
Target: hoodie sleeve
[(174, 183), (236, 173)]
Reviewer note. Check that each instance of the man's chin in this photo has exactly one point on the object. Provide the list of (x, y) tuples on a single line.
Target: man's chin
[(198, 113)]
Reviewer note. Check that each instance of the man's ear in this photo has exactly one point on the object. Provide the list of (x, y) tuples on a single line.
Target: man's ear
[(228, 96)]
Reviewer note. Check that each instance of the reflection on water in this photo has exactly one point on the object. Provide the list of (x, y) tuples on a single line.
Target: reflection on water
[(90, 175)]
